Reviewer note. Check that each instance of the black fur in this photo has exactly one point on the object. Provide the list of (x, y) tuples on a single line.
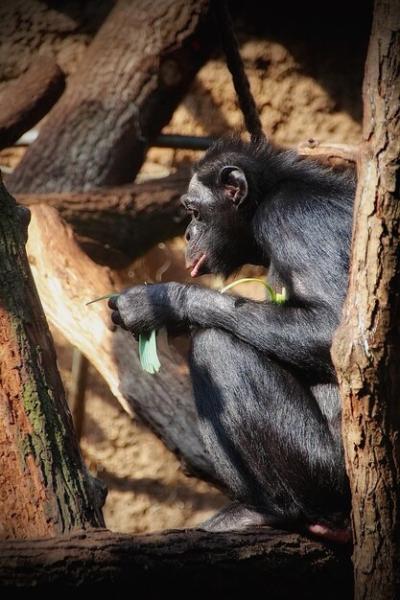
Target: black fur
[(263, 379)]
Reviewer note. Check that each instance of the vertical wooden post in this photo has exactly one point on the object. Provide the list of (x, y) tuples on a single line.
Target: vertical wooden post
[(44, 487), (366, 348)]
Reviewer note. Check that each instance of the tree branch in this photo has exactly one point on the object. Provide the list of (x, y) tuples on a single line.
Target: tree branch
[(129, 219), (29, 98), (276, 564), (118, 101), (327, 151)]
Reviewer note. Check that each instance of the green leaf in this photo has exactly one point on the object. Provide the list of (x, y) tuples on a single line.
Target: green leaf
[(106, 297), (148, 353), (280, 298), (276, 297), (147, 344)]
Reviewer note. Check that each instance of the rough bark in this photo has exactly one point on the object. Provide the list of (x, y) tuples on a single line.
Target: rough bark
[(276, 565), (32, 28), (367, 345), (129, 219), (134, 74), (28, 99), (328, 152), (44, 486), (66, 280)]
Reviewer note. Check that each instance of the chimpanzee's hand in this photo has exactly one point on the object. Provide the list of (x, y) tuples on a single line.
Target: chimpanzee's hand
[(145, 307)]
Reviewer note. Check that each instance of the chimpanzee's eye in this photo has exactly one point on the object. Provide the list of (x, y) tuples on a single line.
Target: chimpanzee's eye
[(196, 214)]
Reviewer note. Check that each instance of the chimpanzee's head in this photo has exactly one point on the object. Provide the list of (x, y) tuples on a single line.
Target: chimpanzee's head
[(221, 199)]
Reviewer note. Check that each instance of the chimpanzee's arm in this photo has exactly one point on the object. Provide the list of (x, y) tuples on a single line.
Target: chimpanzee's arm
[(299, 334)]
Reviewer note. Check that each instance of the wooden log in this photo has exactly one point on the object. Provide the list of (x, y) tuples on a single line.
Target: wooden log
[(129, 219), (328, 151), (26, 100), (132, 77), (275, 565)]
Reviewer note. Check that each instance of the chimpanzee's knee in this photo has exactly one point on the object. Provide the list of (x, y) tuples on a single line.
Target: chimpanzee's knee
[(265, 432)]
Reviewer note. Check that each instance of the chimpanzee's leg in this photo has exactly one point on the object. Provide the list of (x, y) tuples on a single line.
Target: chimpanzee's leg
[(271, 445)]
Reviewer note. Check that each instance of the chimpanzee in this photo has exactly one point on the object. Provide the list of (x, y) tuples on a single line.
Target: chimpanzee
[(264, 383)]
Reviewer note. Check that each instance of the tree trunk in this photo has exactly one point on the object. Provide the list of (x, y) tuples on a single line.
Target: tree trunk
[(271, 564), (132, 77), (128, 220), (66, 280), (45, 489), (28, 99), (367, 345)]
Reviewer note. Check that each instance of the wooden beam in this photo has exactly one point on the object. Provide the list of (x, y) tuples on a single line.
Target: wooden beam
[(26, 100), (328, 151), (129, 219), (276, 565)]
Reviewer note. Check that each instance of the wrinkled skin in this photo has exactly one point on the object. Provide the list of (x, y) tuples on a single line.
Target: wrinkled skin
[(264, 383)]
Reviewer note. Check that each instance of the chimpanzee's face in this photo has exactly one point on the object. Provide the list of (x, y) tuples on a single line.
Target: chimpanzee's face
[(218, 234)]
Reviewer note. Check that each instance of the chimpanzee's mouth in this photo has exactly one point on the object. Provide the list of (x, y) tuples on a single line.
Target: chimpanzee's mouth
[(196, 265)]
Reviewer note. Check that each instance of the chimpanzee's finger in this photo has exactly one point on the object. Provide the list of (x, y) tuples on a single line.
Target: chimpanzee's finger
[(116, 318)]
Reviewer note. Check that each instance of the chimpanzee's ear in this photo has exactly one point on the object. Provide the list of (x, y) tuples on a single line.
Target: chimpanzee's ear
[(234, 183)]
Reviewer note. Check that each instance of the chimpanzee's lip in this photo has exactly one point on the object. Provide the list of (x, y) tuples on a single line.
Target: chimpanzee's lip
[(196, 265)]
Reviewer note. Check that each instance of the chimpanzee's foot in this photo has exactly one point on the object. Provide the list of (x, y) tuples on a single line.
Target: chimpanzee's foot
[(235, 516), (339, 536)]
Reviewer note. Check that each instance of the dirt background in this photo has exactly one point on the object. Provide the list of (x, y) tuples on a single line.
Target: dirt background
[(305, 67)]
